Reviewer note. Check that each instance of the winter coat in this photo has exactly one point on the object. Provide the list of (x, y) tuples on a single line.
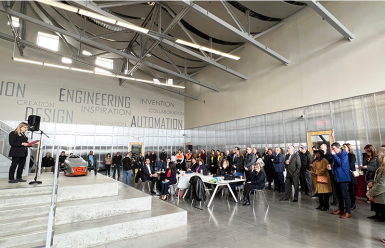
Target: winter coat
[(320, 169), (378, 189), (197, 189), (305, 160), (238, 162), (341, 168)]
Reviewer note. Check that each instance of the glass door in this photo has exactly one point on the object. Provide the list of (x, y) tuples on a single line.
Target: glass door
[(317, 138)]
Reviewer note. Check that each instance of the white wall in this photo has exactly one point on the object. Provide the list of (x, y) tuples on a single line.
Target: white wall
[(323, 66), (46, 88)]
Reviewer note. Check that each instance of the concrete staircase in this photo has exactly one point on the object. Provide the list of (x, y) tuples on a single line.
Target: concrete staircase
[(5, 163), (90, 211)]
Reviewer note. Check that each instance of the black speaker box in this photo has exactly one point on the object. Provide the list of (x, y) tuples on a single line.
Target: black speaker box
[(34, 123)]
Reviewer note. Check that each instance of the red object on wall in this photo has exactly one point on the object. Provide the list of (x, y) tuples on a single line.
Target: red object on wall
[(360, 187)]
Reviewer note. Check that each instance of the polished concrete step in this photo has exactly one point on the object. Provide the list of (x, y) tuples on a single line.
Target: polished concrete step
[(4, 167), (24, 200), (24, 189), (20, 238), (23, 224), (85, 187), (128, 200), (158, 239), (24, 211), (39, 244), (163, 216)]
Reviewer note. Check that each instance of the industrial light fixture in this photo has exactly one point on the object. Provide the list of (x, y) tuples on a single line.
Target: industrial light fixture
[(105, 74), (57, 66), (129, 26), (87, 53), (123, 77), (97, 73), (96, 16), (210, 50), (59, 5), (28, 61), (132, 26), (66, 60), (188, 43), (206, 49), (81, 70)]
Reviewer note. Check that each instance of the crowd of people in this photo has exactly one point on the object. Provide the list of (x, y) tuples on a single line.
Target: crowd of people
[(329, 171)]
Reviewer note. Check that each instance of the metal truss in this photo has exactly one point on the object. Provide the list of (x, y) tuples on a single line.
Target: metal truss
[(244, 35), (327, 16)]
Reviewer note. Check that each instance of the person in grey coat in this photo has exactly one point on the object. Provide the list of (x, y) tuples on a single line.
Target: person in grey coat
[(376, 192), (249, 161), (293, 167)]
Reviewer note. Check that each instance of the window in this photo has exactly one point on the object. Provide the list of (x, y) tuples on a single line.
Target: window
[(106, 63), (48, 41), (15, 21)]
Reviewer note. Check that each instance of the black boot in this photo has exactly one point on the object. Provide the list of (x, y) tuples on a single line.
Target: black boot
[(325, 208), (247, 202)]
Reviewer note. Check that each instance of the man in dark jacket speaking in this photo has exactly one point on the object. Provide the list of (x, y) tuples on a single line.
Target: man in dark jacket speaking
[(341, 172)]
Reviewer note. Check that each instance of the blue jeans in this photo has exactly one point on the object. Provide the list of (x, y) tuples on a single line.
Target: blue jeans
[(164, 165), (117, 167), (127, 176)]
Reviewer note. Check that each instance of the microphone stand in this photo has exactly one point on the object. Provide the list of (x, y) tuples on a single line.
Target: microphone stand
[(38, 156)]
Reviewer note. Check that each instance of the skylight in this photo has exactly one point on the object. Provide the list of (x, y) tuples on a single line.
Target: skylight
[(48, 41), (106, 63)]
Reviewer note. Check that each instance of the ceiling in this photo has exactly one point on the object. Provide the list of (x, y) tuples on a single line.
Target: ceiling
[(262, 15)]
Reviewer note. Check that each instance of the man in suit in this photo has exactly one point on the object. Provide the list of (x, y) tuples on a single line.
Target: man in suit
[(341, 173), (249, 160), (153, 159), (293, 165), (196, 155), (269, 167), (279, 168), (149, 175), (327, 156), (232, 159)]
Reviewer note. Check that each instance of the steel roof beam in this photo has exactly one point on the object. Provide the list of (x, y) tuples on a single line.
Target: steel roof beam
[(104, 47), (82, 61), (244, 35), (327, 16)]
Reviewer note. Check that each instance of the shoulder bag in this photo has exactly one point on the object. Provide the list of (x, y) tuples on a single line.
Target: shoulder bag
[(229, 177), (322, 179)]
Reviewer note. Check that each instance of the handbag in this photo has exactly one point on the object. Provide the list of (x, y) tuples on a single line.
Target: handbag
[(322, 179), (355, 173), (229, 177)]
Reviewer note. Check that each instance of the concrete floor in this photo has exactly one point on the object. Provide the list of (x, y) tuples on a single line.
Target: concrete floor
[(284, 224)]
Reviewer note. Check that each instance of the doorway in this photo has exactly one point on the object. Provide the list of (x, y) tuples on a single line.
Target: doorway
[(317, 138), (136, 149)]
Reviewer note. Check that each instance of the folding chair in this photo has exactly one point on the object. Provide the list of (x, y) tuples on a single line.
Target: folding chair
[(183, 184)]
